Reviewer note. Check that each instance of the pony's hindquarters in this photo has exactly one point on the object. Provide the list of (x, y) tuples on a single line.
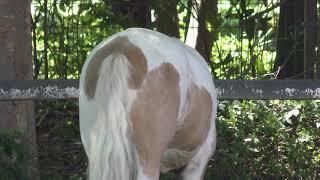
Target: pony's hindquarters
[(146, 103), (194, 141), (135, 116), (197, 165), (107, 87), (154, 116)]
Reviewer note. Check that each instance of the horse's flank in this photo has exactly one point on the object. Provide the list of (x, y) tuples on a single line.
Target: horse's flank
[(144, 108), (153, 115)]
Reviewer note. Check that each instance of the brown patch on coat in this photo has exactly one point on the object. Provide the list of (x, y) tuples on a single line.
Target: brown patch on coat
[(154, 114), (197, 121), (119, 45)]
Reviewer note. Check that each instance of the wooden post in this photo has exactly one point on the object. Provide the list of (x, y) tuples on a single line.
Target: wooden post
[(16, 64)]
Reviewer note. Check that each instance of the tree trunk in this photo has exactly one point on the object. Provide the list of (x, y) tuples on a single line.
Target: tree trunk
[(167, 20), (318, 52), (134, 13), (290, 41), (16, 64), (310, 38), (206, 35)]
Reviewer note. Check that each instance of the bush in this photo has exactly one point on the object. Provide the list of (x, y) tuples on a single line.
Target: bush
[(11, 155), (256, 140), (267, 139)]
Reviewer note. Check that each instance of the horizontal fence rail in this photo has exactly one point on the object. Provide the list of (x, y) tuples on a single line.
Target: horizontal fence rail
[(226, 89)]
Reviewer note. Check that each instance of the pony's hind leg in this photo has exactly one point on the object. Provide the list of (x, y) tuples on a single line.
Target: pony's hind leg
[(197, 165), (153, 116)]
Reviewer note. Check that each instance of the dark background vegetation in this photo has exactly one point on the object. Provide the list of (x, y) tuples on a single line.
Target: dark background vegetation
[(240, 39)]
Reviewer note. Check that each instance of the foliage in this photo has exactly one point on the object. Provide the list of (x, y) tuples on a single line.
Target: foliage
[(256, 139), (268, 140), (11, 155), (244, 47), (74, 28), (61, 155)]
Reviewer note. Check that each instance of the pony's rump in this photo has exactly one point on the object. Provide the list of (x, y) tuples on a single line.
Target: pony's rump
[(147, 103)]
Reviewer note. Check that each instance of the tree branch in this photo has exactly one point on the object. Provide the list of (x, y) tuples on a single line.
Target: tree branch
[(260, 14)]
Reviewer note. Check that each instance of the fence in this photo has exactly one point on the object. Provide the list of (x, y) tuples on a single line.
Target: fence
[(61, 25), (226, 89), (64, 32)]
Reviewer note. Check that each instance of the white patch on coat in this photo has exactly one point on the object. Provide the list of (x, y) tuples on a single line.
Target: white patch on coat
[(142, 176)]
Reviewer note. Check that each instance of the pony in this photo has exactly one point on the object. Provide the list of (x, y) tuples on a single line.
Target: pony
[(147, 104)]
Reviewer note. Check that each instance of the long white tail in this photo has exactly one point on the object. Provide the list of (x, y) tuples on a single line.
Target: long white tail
[(112, 155)]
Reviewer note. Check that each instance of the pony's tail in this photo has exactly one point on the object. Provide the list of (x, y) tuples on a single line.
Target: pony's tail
[(112, 154)]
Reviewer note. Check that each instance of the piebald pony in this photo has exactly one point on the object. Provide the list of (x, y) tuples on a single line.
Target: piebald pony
[(147, 104)]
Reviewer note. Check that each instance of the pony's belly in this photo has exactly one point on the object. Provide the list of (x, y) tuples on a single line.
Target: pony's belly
[(175, 159)]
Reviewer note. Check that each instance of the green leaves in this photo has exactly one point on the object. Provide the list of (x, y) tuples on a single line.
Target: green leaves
[(255, 140), (11, 155), (75, 27)]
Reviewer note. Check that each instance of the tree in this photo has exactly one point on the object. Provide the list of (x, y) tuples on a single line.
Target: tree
[(206, 35), (310, 38), (167, 20), (16, 64), (289, 59), (136, 13), (133, 13), (296, 39)]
